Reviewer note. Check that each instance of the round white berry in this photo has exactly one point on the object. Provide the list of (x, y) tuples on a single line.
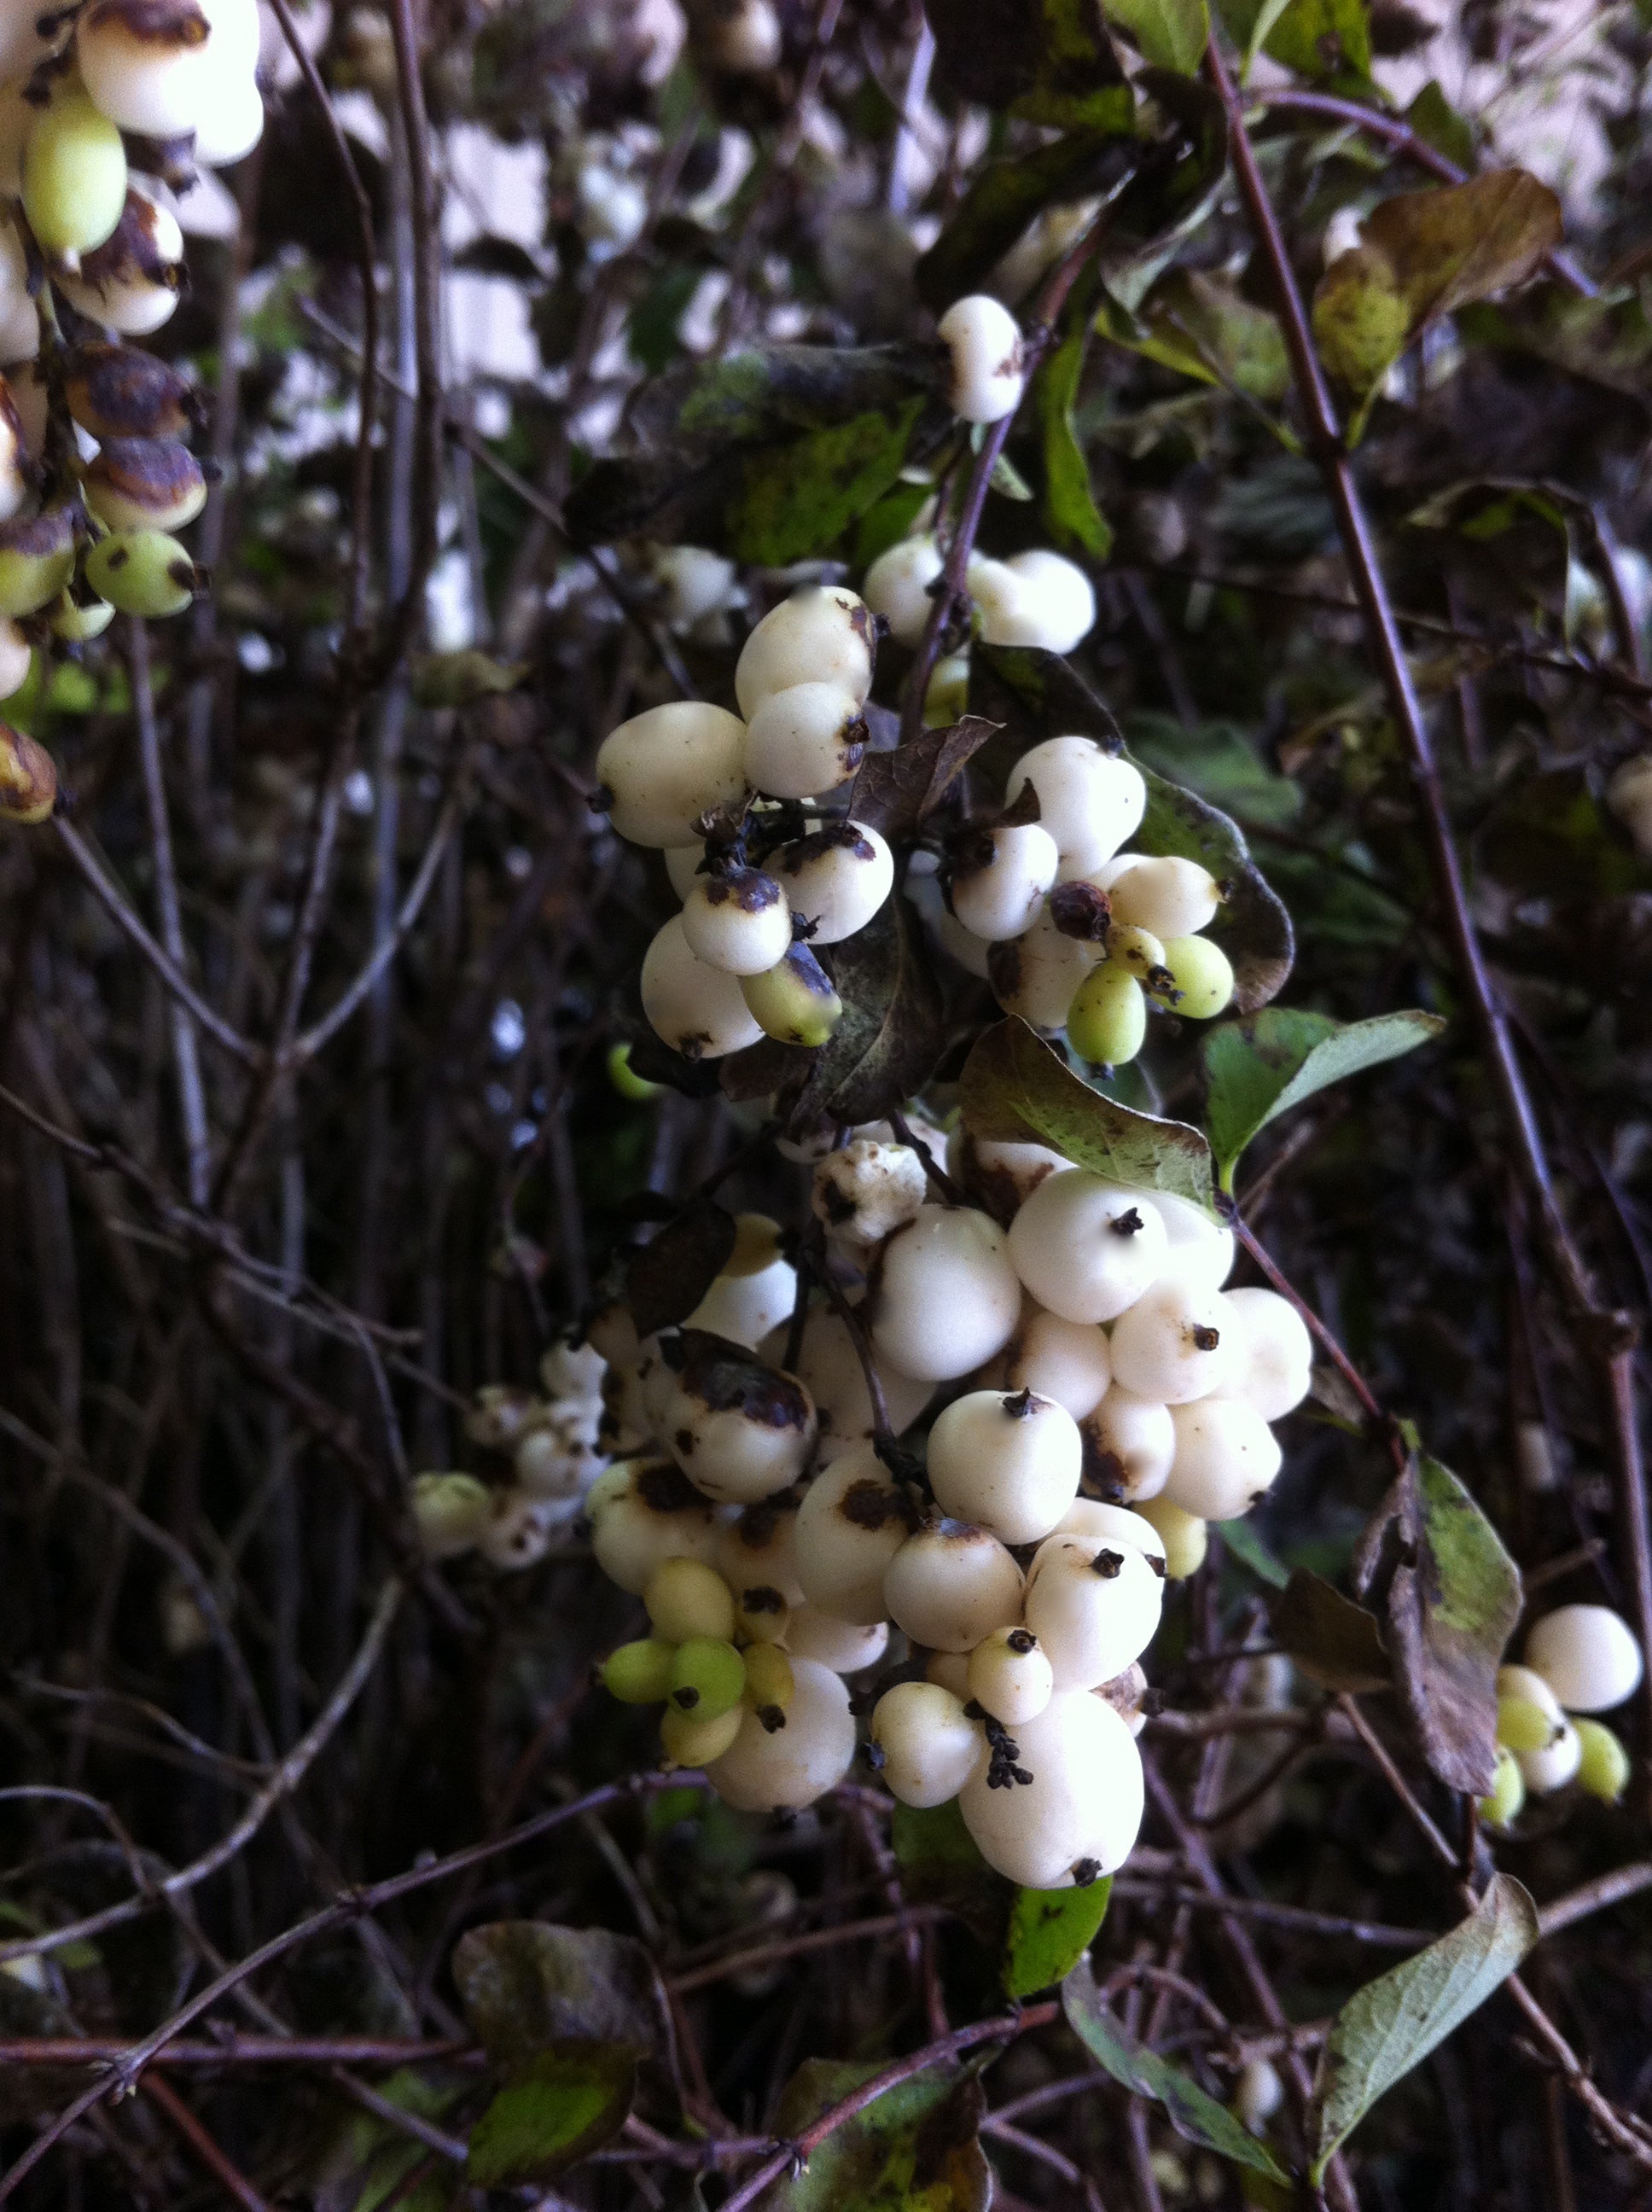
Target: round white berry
[(944, 1296), (1064, 596), (1093, 1516), (667, 767), (1010, 1676), (693, 582), (737, 920), (830, 1366), (998, 878), (867, 1191), (806, 739), (845, 1646), (1037, 973), (1001, 1176), (1130, 1441), (1090, 801), (1587, 1655), (984, 341), (756, 1288), (835, 879), (739, 1430), (1226, 1458), (771, 1772), (851, 1524), (1257, 2094), (822, 634), (1198, 1249), (951, 1584), (697, 1009), (897, 585), (756, 1552), (1171, 896), (1008, 1461), (1070, 1361), (1173, 1344), (1272, 1365), (1086, 1248), (1076, 1814), (930, 1746), (1093, 1604), (648, 1513)]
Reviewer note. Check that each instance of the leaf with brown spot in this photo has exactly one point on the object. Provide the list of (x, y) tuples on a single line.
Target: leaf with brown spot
[(916, 2148), (1333, 1641), (526, 1985), (897, 791), (674, 1270)]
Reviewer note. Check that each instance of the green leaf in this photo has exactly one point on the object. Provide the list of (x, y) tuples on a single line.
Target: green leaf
[(1038, 695), (916, 2149), (565, 2103), (1005, 197), (1438, 123), (797, 501), (1201, 326), (1248, 1547), (1039, 61), (1172, 35), (1451, 1595), (940, 1863), (1332, 1640), (1194, 2115), (1422, 255), (893, 1027), (1258, 1069), (526, 1986), (1319, 39), (1050, 1930), (1393, 2023), (1070, 511), (1218, 760), (1016, 1089)]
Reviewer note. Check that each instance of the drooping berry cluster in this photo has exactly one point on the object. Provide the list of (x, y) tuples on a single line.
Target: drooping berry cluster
[(1580, 1660)]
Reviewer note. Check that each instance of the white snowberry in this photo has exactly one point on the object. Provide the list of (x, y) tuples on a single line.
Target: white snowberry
[(998, 877), (1061, 594), (1272, 1365), (806, 739), (930, 1746), (757, 1553), (695, 1009), (897, 585), (836, 879), (1554, 1763), (1008, 1461), (944, 1298), (737, 920), (822, 635), (847, 1647), (1130, 1441), (1169, 895), (739, 1430), (781, 1770), (851, 1524), (1226, 1458), (867, 1191), (1010, 1676), (1090, 801), (648, 1512), (951, 1584), (1001, 1176), (1093, 1604), (1086, 1248), (756, 1288), (829, 1367), (1200, 1250), (1070, 1361), (1587, 1655), (1173, 1344), (1093, 1516), (1037, 973), (668, 766), (1058, 1801), (984, 341)]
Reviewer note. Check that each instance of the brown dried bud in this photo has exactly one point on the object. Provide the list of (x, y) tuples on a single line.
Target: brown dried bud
[(28, 779)]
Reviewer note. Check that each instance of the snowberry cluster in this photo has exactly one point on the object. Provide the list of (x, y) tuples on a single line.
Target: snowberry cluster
[(95, 473), (998, 1441), (552, 1444), (1580, 1660)]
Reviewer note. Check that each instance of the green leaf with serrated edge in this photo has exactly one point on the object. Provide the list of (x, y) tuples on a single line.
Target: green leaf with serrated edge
[(1393, 2023), (565, 2103), (1038, 695), (916, 2149), (1332, 1640), (1016, 1089), (526, 1985), (1069, 509), (1248, 1547), (1050, 1930), (1259, 1068), (1420, 256), (1172, 35), (1005, 197), (1194, 2115), (797, 500)]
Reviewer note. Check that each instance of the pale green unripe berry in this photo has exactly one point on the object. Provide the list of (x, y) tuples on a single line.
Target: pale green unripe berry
[(1172, 1345), (851, 1524), (898, 586), (77, 622), (1273, 1364), (769, 1684), (648, 1513), (1093, 1604), (1588, 1657), (640, 1674), (1078, 1815), (756, 1288), (998, 878), (695, 1009), (766, 1771), (1038, 974), (805, 740), (16, 659), (835, 879), (692, 1739), (1010, 1676), (946, 700), (1500, 1808), (1186, 1537), (822, 634), (450, 1512), (1092, 802), (1106, 1021), (795, 1001), (1226, 1458), (930, 1745), (1130, 1441), (37, 559), (144, 483), (1525, 1726), (1008, 1461), (1170, 896), (1603, 1769), (946, 1299), (141, 572), (983, 340), (867, 1191), (668, 766), (1200, 984), (707, 1677), (1084, 1248), (687, 1600), (74, 175), (1553, 1765), (951, 1584), (737, 921), (829, 1367), (847, 1647), (1069, 1361)]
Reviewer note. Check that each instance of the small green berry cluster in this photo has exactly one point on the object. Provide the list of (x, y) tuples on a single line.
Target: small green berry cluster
[(1580, 1660)]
